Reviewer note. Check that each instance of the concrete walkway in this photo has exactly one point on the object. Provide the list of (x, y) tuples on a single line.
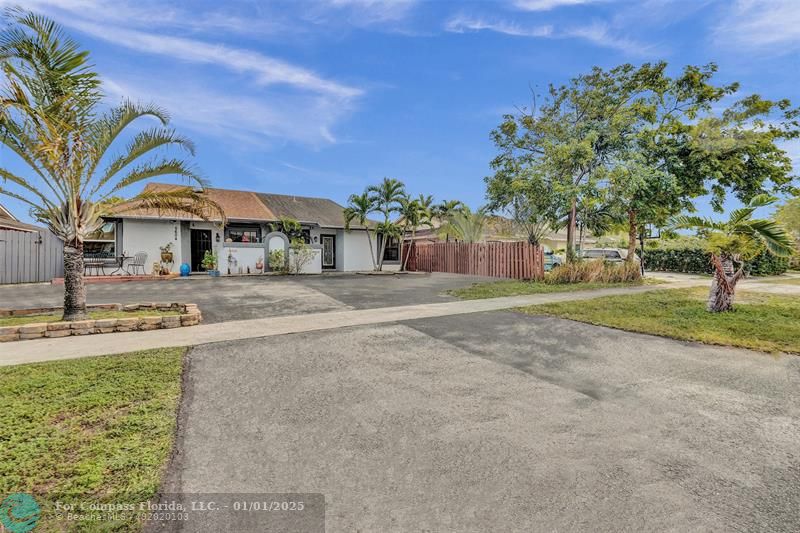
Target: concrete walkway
[(92, 345)]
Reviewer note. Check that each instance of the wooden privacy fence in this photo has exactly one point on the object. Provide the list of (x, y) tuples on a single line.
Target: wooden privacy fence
[(30, 256), (516, 260)]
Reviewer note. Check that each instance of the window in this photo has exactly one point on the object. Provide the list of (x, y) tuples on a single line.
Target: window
[(242, 233), (392, 251), (101, 242)]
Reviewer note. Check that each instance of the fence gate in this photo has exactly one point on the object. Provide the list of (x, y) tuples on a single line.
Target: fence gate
[(516, 260), (30, 256)]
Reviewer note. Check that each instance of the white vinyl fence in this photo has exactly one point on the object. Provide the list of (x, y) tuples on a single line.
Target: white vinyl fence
[(29, 257)]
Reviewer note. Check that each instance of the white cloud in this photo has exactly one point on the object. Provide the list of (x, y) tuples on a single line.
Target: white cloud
[(267, 70), (462, 24), (373, 11), (263, 120), (547, 5), (761, 24), (598, 33)]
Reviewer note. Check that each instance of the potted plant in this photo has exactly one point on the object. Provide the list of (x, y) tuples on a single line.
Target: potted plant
[(210, 263), (166, 253), (260, 264)]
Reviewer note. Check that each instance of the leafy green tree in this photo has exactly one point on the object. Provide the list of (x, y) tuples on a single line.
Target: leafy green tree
[(571, 138), (359, 207), (734, 241), (51, 119), (527, 196), (788, 215)]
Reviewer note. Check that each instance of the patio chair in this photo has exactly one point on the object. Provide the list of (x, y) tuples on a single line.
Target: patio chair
[(139, 261)]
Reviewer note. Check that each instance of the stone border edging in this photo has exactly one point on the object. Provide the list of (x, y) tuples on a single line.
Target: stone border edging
[(189, 316)]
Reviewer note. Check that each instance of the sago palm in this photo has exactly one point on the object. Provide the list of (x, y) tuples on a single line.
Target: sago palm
[(50, 120), (733, 242), (359, 206)]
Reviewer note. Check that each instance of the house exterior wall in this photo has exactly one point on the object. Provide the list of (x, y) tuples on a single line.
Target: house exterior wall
[(356, 251), (144, 235), (149, 236)]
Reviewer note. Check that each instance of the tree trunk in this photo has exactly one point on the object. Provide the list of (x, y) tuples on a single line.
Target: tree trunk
[(723, 286), (404, 262), (74, 289), (371, 251), (632, 233), (573, 212)]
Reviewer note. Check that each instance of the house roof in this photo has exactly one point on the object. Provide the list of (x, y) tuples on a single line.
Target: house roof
[(15, 225), (237, 205), (249, 206), (5, 214), (322, 211)]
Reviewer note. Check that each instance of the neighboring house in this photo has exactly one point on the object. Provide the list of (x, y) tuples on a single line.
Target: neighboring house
[(10, 222), (498, 229), (246, 237)]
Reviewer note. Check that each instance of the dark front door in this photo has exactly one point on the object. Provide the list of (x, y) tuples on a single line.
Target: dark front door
[(329, 251), (201, 241)]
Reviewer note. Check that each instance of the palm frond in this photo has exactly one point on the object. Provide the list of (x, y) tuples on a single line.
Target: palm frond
[(774, 236), (174, 201), (165, 167), (693, 222), (142, 144), (110, 126)]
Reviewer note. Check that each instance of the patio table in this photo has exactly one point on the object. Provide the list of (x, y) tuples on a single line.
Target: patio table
[(120, 261)]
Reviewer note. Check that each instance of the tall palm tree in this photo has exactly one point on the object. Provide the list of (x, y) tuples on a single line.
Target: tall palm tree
[(444, 210), (415, 214), (467, 226), (50, 120), (359, 206), (734, 241), (386, 198)]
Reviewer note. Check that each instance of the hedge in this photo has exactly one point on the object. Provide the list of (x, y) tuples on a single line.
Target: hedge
[(698, 261)]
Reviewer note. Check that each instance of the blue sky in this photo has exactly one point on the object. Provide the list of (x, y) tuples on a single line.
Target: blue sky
[(321, 98)]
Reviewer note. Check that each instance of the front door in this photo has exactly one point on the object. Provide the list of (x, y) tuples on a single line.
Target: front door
[(329, 251), (201, 241)]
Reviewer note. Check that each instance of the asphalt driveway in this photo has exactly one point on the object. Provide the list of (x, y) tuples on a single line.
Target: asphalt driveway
[(242, 298), (497, 422)]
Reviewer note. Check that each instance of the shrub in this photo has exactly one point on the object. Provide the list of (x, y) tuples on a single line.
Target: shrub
[(698, 261), (594, 272), (277, 261), (300, 255)]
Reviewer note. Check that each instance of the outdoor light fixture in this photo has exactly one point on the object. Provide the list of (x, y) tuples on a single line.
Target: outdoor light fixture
[(316, 239), (217, 238)]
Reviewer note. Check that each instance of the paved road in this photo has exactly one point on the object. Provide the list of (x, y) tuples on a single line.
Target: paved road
[(498, 422)]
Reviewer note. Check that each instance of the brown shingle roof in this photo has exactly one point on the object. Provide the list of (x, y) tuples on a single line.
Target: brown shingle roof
[(322, 211), (237, 205), (245, 205), (15, 225)]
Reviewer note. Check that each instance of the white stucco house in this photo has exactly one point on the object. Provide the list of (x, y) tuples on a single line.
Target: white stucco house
[(247, 235)]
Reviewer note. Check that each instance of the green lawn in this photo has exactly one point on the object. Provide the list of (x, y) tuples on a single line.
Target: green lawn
[(95, 315), (783, 281), (495, 289), (97, 429), (760, 321)]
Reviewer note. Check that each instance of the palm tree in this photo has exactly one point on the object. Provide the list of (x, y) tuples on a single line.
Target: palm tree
[(466, 226), (443, 210), (359, 206), (50, 120), (386, 197), (733, 242), (415, 214)]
